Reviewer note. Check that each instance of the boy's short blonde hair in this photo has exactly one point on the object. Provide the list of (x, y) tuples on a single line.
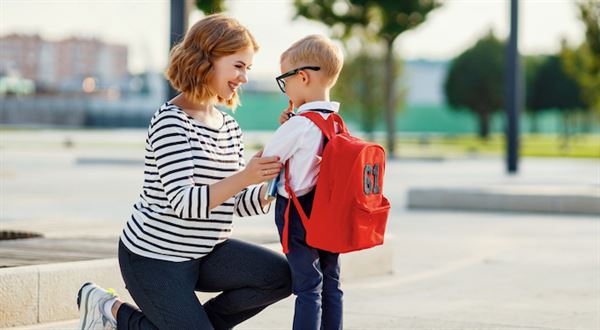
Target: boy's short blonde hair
[(191, 61), (319, 51)]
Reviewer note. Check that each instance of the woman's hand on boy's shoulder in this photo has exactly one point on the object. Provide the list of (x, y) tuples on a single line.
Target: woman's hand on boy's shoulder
[(260, 169)]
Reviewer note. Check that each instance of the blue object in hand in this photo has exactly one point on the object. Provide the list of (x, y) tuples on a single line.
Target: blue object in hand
[(272, 188)]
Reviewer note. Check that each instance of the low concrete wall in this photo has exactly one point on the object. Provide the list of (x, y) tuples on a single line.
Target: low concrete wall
[(47, 293), (584, 201)]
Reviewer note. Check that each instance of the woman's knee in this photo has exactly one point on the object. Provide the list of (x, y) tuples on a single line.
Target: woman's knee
[(281, 278)]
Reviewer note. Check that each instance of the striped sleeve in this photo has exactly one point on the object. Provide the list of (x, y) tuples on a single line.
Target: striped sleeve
[(247, 202), (169, 141)]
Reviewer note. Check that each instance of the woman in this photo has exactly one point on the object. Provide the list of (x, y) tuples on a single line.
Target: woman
[(177, 239)]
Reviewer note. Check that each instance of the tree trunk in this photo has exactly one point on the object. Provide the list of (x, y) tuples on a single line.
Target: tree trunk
[(566, 130), (368, 105), (534, 128), (368, 123), (586, 122), (484, 124), (390, 99)]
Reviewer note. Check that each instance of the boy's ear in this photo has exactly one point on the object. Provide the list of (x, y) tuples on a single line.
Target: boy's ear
[(304, 77)]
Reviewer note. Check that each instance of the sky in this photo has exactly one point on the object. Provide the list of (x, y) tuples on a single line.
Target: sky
[(143, 26)]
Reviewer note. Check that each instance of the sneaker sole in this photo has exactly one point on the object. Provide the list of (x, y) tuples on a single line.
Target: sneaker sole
[(83, 300)]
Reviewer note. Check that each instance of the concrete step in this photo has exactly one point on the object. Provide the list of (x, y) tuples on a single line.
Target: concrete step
[(583, 200)]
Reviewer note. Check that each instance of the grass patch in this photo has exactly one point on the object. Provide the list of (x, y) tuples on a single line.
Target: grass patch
[(580, 146)]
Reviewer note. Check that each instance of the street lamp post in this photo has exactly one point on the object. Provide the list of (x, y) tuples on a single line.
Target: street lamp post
[(513, 92), (176, 32)]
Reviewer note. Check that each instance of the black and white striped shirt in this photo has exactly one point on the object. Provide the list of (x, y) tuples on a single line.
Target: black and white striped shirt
[(172, 220)]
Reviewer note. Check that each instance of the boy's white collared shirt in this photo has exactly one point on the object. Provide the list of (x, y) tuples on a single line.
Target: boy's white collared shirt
[(300, 141)]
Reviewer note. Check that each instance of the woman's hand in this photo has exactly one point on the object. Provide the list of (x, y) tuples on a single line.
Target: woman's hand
[(260, 169), (257, 170), (287, 113)]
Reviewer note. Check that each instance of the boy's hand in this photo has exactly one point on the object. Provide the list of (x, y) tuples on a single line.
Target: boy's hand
[(287, 113)]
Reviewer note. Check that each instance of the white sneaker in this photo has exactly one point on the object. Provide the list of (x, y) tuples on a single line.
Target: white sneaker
[(90, 301)]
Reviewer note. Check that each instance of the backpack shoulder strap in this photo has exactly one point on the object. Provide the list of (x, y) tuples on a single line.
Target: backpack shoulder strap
[(286, 217), (327, 126)]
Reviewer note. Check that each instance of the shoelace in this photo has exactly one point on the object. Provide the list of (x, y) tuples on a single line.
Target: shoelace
[(112, 292)]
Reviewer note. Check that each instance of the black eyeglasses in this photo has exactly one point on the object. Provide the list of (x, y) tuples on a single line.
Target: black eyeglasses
[(281, 82)]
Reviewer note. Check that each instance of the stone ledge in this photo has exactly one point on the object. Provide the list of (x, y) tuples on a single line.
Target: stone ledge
[(561, 200)]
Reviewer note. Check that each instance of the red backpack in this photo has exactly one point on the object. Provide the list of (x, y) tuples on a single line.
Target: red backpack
[(349, 211)]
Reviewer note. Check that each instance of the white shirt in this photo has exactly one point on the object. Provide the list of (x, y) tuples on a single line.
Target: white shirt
[(300, 141)]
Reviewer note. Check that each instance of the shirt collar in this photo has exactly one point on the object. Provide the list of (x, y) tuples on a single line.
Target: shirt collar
[(326, 105)]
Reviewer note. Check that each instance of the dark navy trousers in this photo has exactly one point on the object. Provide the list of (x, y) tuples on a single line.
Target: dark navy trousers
[(315, 273)]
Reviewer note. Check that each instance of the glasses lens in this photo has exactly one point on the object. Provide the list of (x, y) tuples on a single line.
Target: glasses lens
[(281, 83)]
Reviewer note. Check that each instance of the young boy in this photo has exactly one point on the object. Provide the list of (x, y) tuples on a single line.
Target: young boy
[(310, 68)]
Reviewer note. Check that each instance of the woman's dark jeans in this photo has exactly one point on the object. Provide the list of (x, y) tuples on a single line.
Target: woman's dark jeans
[(250, 278)]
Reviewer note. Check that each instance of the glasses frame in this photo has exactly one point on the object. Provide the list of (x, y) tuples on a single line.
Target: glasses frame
[(281, 82)]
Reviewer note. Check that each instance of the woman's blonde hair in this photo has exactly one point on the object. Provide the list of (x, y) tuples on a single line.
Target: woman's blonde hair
[(191, 61)]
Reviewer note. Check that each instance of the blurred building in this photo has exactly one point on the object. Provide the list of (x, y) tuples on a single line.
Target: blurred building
[(73, 82), (423, 81), (20, 54), (64, 65)]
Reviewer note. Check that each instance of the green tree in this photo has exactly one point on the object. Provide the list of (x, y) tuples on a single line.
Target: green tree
[(210, 6), (531, 67), (361, 88), (379, 21), (475, 80), (553, 88), (583, 62)]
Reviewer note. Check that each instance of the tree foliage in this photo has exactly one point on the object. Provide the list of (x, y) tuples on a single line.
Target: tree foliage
[(475, 80), (375, 21)]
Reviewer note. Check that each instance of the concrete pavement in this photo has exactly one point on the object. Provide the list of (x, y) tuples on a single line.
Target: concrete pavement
[(452, 269), (472, 270)]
